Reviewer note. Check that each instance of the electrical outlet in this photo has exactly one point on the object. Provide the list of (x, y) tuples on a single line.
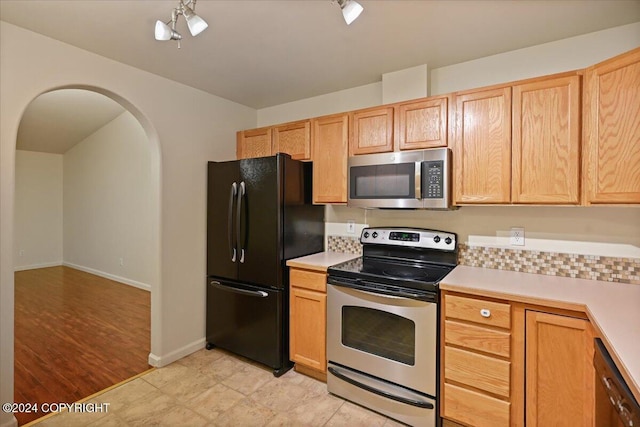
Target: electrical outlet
[(351, 226), (121, 261), (517, 236), (21, 253)]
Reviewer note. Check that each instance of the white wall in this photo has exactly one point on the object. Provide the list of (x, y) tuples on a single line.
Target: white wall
[(31, 64), (38, 210), (563, 55), (335, 102), (107, 204)]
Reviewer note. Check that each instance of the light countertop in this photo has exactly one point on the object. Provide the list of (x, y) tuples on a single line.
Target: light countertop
[(320, 261), (613, 308)]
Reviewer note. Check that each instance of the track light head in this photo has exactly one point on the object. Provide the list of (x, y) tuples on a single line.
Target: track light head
[(351, 9), (195, 23), (164, 32)]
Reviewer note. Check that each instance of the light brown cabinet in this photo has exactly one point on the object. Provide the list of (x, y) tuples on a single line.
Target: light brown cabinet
[(482, 148), (371, 131), (293, 139), (308, 319), (330, 136), (476, 361), (422, 124), (412, 125), (612, 131), (560, 388), (546, 141), (519, 144), (514, 364), (253, 143)]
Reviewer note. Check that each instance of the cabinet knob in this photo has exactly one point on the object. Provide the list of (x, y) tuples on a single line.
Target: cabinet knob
[(485, 312)]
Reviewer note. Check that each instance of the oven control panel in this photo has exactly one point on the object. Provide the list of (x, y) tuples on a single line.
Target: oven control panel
[(413, 237)]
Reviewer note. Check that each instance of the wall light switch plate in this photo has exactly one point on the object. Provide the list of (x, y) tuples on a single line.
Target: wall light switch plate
[(517, 236), (351, 226)]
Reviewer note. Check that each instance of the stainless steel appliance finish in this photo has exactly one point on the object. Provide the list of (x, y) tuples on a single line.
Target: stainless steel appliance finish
[(382, 322), (402, 180), (615, 404)]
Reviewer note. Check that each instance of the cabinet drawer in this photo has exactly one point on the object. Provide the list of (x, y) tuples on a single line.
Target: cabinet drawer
[(479, 311), (308, 279), (474, 408), (476, 370), (477, 338)]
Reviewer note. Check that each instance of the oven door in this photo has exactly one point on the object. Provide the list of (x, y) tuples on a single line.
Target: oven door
[(389, 337)]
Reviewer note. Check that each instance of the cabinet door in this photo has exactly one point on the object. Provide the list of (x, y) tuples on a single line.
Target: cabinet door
[(559, 371), (253, 143), (483, 147), (612, 131), (308, 328), (329, 137), (422, 124), (546, 141), (372, 131), (293, 139)]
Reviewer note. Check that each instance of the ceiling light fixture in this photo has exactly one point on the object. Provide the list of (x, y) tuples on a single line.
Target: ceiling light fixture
[(351, 9), (195, 23)]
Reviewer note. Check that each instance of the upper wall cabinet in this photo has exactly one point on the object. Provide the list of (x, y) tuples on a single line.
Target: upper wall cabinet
[(546, 141), (482, 152), (253, 143), (519, 144), (371, 131), (330, 136), (611, 156), (293, 139), (422, 124)]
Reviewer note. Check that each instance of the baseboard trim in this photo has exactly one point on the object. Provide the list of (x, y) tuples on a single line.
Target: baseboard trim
[(160, 361), (35, 266), (134, 283)]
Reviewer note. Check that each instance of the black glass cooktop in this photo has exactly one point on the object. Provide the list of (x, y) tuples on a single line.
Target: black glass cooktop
[(409, 274)]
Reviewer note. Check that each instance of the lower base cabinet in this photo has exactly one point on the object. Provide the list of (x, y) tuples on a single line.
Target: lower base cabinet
[(514, 364), (308, 320), (560, 378)]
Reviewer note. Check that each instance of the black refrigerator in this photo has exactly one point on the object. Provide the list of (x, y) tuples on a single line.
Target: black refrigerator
[(259, 215)]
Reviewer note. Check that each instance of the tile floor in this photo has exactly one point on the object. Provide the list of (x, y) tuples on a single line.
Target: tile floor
[(216, 388)]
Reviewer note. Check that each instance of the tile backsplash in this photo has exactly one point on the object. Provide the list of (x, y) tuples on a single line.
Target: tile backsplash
[(344, 244), (593, 267)]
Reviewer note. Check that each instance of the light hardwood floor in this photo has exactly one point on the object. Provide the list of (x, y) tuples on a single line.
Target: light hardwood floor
[(75, 334)]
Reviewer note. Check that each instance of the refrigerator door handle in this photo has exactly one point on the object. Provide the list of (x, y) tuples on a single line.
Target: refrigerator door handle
[(232, 244), (260, 294), (241, 194)]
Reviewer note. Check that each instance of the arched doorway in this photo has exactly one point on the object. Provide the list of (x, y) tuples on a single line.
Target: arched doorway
[(108, 233)]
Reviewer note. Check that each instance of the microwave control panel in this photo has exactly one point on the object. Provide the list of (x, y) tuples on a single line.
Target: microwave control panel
[(433, 182)]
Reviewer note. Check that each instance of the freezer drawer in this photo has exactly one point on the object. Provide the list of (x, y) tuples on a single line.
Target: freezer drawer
[(248, 321)]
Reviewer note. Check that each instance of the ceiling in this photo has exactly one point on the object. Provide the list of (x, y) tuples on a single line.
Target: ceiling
[(261, 53)]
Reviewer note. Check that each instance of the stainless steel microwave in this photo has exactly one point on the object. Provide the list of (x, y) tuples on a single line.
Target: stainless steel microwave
[(402, 180)]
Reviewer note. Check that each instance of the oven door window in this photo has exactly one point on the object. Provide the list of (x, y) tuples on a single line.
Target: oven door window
[(378, 332), (391, 181)]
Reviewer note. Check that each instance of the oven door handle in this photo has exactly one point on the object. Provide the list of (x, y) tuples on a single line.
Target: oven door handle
[(361, 286), (345, 377)]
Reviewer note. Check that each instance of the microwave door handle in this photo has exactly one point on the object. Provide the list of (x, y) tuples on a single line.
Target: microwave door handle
[(418, 180)]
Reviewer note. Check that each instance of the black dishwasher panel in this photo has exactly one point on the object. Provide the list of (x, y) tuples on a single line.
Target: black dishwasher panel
[(615, 404)]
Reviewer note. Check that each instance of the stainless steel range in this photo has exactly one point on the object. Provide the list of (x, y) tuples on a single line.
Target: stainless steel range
[(382, 322)]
